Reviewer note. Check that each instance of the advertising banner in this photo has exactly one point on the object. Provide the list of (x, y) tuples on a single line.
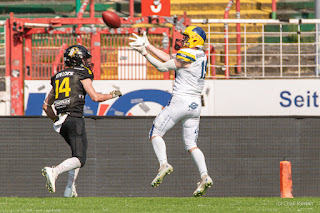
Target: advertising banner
[(219, 98), (142, 98), (266, 97)]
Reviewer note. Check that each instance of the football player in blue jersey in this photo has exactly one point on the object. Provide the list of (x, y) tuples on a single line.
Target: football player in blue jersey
[(190, 65)]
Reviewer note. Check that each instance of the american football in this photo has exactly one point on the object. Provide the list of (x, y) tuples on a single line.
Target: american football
[(111, 19)]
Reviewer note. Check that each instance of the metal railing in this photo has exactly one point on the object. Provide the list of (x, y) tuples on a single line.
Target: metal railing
[(269, 48)]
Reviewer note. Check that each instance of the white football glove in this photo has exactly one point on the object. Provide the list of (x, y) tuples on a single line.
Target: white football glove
[(115, 93), (139, 44), (146, 41), (137, 41), (141, 49)]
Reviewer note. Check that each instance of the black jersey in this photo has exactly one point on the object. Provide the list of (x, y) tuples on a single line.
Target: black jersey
[(69, 93)]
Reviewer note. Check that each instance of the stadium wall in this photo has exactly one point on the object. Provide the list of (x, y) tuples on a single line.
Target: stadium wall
[(242, 154)]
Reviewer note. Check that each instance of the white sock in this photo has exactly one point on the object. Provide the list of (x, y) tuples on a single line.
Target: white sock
[(67, 165), (72, 176), (200, 161), (159, 147)]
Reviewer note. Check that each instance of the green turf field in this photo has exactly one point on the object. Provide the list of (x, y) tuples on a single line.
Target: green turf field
[(159, 205)]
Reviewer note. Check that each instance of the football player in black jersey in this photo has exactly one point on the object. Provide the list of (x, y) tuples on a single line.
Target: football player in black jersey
[(67, 96)]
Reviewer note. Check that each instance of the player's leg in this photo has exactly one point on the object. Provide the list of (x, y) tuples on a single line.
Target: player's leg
[(190, 136), (159, 148), (162, 123), (206, 181), (77, 139), (78, 143), (73, 131), (52, 173), (70, 190)]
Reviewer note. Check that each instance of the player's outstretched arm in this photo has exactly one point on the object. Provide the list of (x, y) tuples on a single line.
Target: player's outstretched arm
[(98, 97), (155, 51), (143, 41), (158, 53), (162, 66), (47, 105)]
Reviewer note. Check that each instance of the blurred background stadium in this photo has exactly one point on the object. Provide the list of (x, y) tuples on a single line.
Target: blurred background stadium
[(260, 102)]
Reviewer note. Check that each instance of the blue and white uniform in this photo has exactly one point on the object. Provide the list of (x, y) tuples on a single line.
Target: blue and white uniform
[(185, 104)]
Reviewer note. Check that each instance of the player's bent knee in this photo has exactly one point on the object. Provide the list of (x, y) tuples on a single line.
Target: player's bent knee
[(151, 132), (190, 149), (154, 133), (154, 136), (82, 161)]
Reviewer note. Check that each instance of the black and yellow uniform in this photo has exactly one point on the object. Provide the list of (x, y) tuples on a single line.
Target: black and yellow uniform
[(69, 97), (69, 92)]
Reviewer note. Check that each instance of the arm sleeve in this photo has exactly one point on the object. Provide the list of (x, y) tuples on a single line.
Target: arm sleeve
[(162, 67)]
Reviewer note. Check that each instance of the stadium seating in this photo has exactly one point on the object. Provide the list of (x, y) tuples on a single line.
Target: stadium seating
[(204, 9)]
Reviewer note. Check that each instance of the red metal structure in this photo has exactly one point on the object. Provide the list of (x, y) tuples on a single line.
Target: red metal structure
[(238, 29), (274, 9), (35, 48), (226, 38), (131, 8), (57, 60), (211, 52)]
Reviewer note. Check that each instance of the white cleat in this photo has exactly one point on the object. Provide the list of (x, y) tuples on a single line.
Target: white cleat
[(48, 172), (70, 191), (162, 172), (205, 184)]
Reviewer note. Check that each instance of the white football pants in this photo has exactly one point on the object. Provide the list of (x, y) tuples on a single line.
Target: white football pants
[(184, 108)]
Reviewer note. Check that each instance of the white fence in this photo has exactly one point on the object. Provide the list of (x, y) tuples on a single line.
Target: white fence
[(269, 48)]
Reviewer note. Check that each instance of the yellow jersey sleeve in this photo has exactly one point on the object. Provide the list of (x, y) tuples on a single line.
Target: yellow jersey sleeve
[(185, 56)]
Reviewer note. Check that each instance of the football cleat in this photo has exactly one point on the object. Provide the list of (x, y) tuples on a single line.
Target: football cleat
[(205, 183), (162, 172), (70, 191), (51, 178)]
